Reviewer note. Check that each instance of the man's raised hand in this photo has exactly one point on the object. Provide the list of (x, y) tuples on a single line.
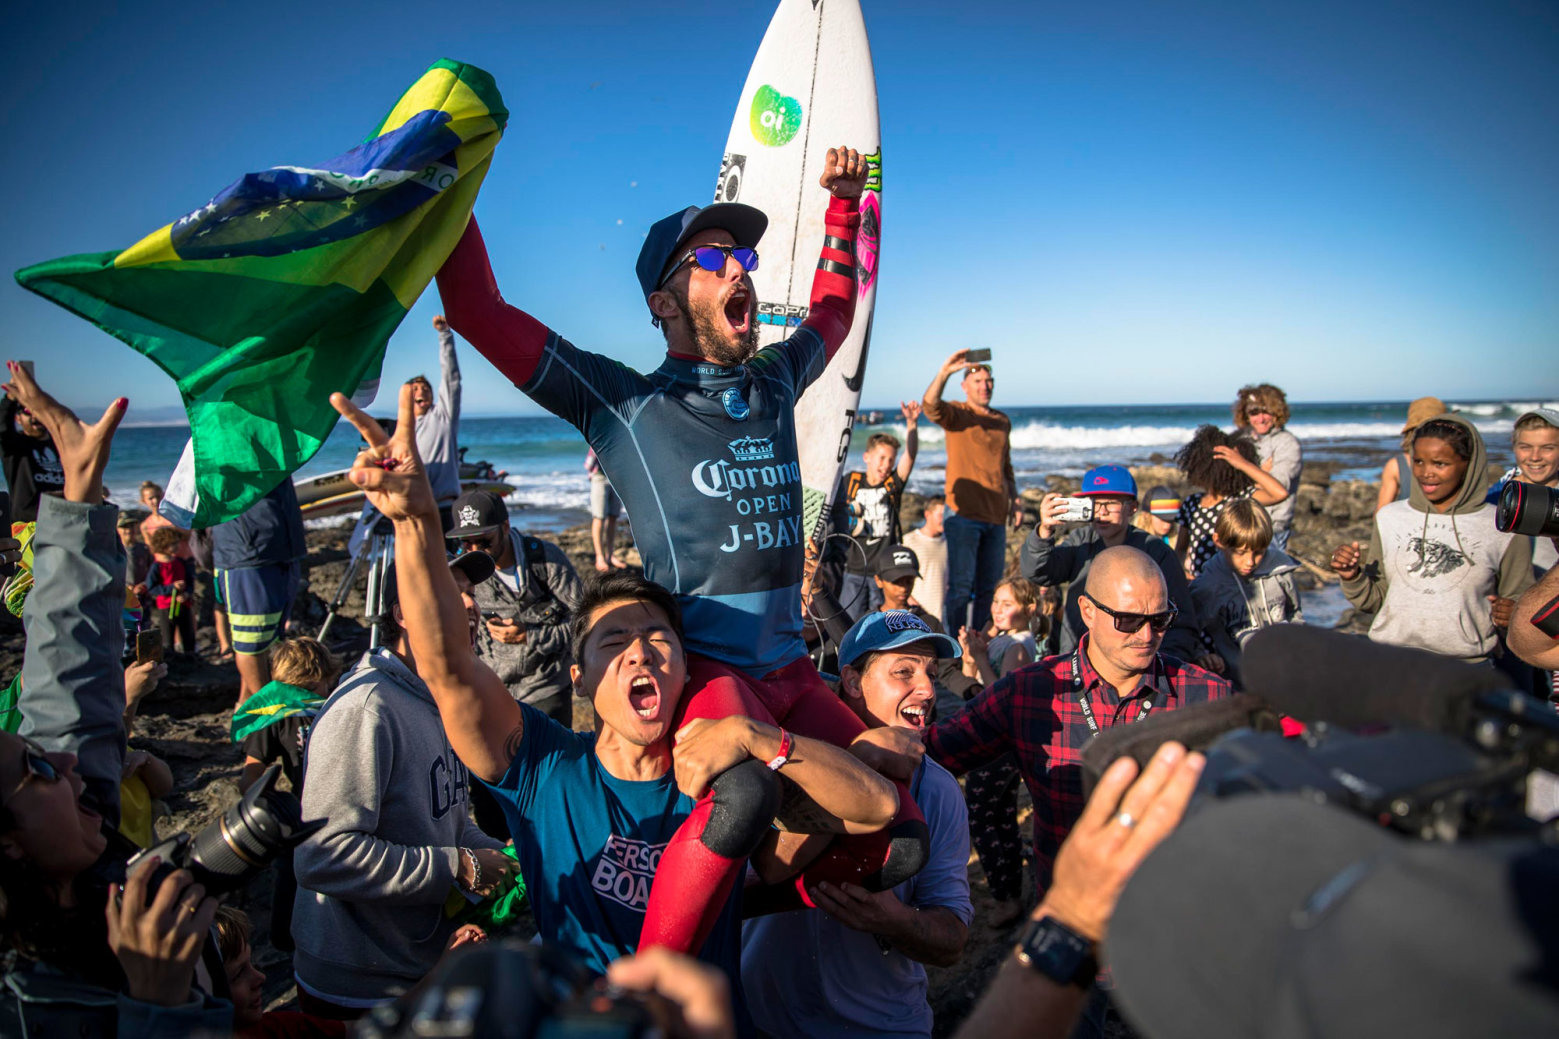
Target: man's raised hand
[(83, 449), (844, 174), (389, 470)]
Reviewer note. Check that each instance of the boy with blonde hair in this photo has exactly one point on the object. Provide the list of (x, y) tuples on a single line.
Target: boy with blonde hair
[(1247, 586)]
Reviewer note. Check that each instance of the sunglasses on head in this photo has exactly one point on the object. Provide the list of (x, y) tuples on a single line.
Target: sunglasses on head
[(712, 259), (1129, 623), (36, 766)]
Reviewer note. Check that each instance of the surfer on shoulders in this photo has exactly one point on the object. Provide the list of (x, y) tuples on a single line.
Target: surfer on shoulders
[(703, 453)]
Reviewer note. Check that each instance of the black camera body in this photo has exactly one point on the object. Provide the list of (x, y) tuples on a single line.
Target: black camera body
[(514, 990), (224, 856), (1528, 508), (1424, 784)]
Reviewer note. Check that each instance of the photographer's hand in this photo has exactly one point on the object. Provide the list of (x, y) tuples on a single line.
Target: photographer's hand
[(158, 944), (1091, 869), (699, 991), (1104, 848), (83, 449), (1050, 510), (1501, 609)]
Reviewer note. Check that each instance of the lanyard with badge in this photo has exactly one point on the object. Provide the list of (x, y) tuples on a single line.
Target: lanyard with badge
[(1082, 695)]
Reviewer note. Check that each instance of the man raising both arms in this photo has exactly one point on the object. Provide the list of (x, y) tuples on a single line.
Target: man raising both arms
[(703, 454)]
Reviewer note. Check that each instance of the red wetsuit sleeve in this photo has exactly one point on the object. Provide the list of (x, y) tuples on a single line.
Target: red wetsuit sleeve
[(473, 306), (833, 287)]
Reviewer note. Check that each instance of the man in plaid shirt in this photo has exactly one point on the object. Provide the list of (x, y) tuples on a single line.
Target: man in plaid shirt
[(1046, 712)]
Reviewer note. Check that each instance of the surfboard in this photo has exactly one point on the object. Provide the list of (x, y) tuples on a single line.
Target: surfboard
[(811, 87)]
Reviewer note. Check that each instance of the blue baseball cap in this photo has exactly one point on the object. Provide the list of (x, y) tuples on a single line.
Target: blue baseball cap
[(1108, 479), (890, 629), (664, 242)]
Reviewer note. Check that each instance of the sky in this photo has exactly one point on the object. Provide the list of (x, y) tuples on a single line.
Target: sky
[(1128, 202)]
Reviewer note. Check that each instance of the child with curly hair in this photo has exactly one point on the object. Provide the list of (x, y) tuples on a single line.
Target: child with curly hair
[(1224, 468)]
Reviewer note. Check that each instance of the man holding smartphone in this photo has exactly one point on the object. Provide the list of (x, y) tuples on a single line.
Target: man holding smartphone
[(527, 607), (982, 493)]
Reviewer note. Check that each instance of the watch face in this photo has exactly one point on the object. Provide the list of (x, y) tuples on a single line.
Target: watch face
[(1057, 952)]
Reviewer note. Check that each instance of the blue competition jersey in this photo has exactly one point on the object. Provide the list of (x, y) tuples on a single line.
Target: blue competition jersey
[(704, 458), (589, 844)]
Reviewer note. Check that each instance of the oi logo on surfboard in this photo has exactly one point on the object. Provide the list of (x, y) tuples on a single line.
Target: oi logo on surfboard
[(775, 118)]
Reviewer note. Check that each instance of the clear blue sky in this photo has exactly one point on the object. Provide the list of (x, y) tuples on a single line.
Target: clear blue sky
[(1129, 202)]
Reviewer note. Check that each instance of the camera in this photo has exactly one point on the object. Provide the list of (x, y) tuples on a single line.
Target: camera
[(264, 824), (1428, 785), (1528, 508), (511, 990), (1075, 510), (1426, 745)]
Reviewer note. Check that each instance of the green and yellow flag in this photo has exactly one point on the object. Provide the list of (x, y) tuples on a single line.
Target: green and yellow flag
[(285, 287)]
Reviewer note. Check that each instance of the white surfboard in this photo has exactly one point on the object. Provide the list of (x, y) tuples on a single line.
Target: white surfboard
[(810, 88)]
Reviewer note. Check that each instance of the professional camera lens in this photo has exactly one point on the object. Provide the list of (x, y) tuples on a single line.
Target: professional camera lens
[(1528, 508), (248, 837)]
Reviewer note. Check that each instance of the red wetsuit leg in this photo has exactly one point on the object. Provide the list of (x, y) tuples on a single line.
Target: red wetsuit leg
[(803, 703), (692, 881)]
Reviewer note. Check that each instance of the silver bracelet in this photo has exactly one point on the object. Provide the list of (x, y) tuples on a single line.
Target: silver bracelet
[(476, 870)]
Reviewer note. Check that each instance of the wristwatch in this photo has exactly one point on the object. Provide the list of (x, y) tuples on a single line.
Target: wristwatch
[(1053, 949)]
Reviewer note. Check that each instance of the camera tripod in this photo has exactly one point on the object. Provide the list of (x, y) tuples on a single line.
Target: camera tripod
[(377, 551)]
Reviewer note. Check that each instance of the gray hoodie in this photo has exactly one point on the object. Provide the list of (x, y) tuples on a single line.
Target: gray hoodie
[(1233, 608), (369, 916), (1429, 573)]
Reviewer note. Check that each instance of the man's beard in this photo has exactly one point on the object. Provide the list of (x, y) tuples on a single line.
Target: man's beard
[(708, 338)]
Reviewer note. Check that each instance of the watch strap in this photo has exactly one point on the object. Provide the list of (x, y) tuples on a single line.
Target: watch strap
[(1049, 947)]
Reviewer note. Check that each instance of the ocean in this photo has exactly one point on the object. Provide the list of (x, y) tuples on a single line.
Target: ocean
[(544, 456)]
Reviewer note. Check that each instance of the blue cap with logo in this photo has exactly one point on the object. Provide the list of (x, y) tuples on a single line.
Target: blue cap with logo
[(665, 239), (890, 629), (1108, 479)]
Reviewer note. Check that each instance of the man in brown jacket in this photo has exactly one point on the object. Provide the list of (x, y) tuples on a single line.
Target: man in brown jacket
[(982, 496)]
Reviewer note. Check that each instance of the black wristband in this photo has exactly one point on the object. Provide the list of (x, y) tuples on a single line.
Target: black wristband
[(1546, 619)]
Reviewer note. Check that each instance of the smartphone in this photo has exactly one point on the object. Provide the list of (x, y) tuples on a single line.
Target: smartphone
[(1077, 510), (27, 367), (148, 646), (981, 356)]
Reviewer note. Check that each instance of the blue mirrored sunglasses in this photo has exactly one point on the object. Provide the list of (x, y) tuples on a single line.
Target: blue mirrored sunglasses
[(712, 259)]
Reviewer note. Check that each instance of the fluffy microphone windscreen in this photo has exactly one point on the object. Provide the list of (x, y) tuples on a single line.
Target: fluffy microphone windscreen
[(1196, 727), (1322, 675)]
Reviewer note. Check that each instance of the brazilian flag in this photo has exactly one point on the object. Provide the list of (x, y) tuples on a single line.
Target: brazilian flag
[(285, 287)]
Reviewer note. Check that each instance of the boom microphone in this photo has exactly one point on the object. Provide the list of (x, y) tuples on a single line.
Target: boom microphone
[(1195, 727), (1321, 675)]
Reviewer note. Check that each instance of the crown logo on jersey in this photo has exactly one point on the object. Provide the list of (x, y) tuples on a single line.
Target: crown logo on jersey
[(469, 517), (903, 620), (751, 449)]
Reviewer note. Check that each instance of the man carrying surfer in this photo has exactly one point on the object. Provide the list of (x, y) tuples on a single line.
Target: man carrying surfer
[(703, 453)]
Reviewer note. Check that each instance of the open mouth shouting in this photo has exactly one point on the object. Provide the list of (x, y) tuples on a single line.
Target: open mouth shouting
[(644, 697), (739, 310), (916, 715)]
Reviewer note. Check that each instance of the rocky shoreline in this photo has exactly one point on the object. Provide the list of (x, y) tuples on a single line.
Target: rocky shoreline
[(185, 721)]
